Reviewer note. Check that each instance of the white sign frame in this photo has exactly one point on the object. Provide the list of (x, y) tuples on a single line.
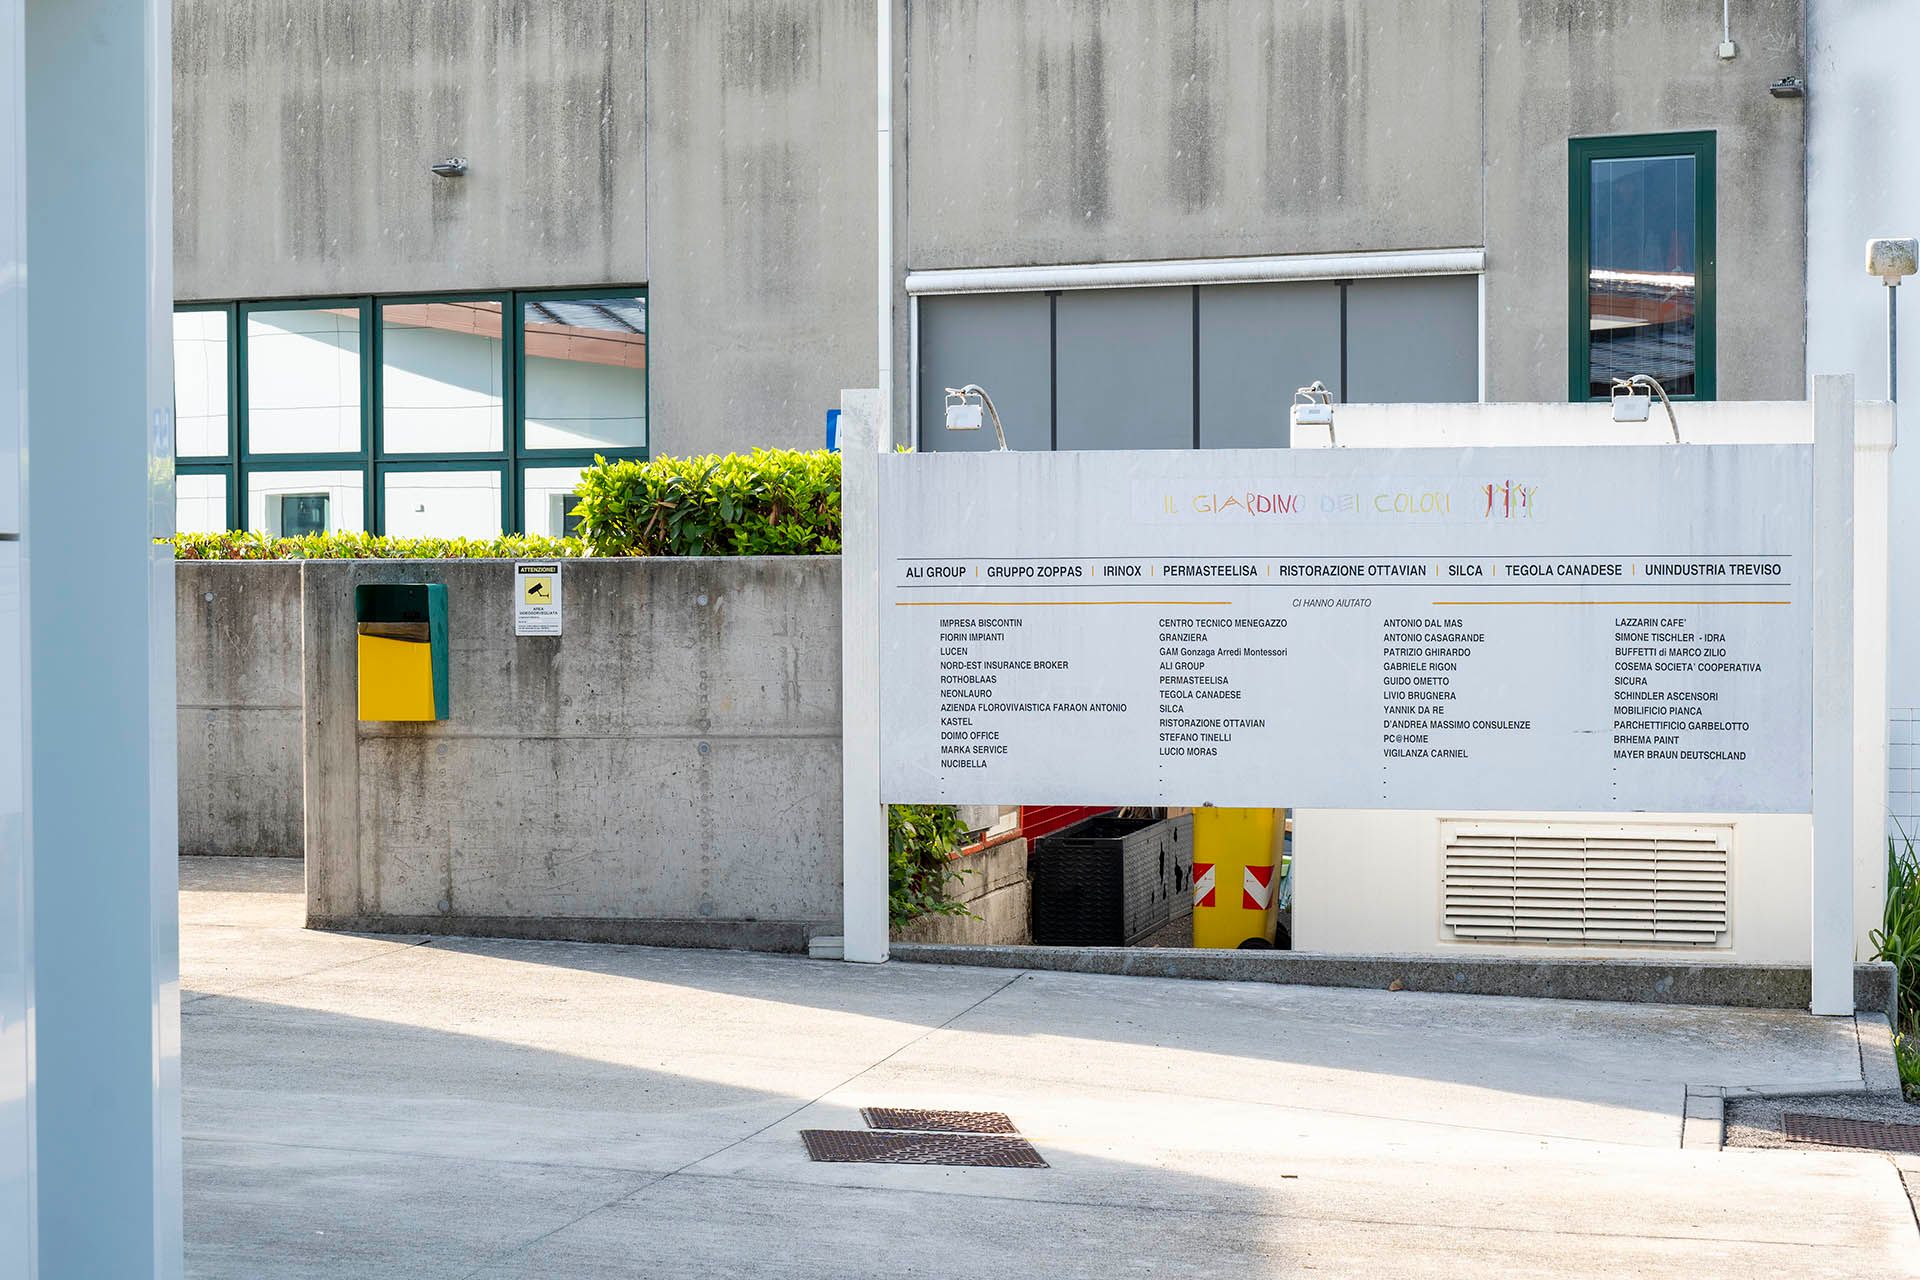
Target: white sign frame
[(865, 434)]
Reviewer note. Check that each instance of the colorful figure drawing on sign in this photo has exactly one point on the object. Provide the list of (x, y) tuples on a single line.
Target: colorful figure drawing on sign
[(1509, 499)]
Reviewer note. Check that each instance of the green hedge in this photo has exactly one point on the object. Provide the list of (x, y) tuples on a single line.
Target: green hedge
[(367, 546), (772, 502)]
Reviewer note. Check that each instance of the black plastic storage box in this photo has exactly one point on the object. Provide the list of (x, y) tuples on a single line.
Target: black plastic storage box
[(1109, 882)]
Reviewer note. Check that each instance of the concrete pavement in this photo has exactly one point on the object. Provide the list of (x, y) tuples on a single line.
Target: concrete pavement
[(402, 1107)]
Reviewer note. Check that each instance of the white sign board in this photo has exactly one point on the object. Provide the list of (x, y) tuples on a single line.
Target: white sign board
[(1602, 628), (536, 598)]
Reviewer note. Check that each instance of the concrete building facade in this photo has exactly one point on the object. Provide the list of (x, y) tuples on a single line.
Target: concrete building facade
[(1136, 225), (1372, 195)]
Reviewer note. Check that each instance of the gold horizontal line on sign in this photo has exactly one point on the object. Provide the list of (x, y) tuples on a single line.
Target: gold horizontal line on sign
[(1038, 604), (1612, 604)]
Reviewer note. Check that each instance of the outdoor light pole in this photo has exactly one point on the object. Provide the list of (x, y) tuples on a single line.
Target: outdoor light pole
[(1893, 260)]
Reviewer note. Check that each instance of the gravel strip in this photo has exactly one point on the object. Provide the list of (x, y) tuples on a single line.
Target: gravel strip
[(1755, 1122)]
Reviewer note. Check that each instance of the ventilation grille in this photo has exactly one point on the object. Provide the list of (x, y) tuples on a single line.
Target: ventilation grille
[(1606, 885)]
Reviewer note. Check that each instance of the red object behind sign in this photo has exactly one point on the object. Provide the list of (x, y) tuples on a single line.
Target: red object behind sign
[(1038, 820)]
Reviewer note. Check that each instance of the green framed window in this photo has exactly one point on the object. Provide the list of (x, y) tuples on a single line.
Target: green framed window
[(582, 374), (1641, 268), (416, 415)]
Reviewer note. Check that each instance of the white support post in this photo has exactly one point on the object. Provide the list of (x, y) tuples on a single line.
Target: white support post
[(17, 1163), (101, 697), (863, 819), (1833, 695)]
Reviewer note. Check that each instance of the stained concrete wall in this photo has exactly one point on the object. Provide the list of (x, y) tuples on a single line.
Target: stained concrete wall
[(760, 212), (1045, 131), (237, 629), (667, 771), (303, 131), (1558, 69), (720, 151)]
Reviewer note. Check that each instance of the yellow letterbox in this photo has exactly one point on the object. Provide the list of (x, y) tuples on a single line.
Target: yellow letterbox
[(403, 650)]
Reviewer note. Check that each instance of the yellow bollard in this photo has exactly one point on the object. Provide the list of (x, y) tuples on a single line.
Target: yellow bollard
[(1235, 877)]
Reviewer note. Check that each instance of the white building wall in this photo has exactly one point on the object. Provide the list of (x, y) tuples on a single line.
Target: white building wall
[(1863, 117)]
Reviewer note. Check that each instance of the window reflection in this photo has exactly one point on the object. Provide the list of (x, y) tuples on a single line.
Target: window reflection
[(586, 373), (1642, 290), (199, 503), (550, 500), (303, 380), (288, 504), (200, 383), (441, 377), (442, 504)]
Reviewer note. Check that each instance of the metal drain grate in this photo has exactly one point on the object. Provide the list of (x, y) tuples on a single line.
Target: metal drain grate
[(922, 1121), (864, 1146), (1839, 1131)]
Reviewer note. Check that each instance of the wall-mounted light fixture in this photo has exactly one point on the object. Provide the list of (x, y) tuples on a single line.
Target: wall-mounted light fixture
[(1633, 401), (1313, 406), (451, 167), (963, 410), (1788, 87)]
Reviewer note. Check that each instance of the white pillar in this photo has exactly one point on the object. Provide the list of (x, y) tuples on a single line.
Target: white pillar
[(863, 819), (98, 487), (16, 883), (1833, 694)]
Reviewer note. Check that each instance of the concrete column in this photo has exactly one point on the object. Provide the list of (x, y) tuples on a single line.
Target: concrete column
[(864, 819), (1833, 694), (99, 597)]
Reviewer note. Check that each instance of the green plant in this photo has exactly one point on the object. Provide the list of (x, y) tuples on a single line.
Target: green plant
[(772, 502), (1906, 1056), (1897, 941), (921, 839), (240, 545)]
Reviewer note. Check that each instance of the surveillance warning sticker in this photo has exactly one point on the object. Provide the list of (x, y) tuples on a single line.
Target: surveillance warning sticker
[(536, 598)]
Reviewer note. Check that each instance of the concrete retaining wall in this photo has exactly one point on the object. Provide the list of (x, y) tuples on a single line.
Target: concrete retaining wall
[(995, 891), (238, 634), (668, 771)]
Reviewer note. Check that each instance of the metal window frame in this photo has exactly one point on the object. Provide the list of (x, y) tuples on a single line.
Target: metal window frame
[(1702, 146), (520, 300), (361, 459), (227, 309), (381, 302), (372, 459)]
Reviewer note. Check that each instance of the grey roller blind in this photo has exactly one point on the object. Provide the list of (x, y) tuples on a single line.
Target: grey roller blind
[(1413, 340), (1258, 342), (999, 340), (1125, 369)]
